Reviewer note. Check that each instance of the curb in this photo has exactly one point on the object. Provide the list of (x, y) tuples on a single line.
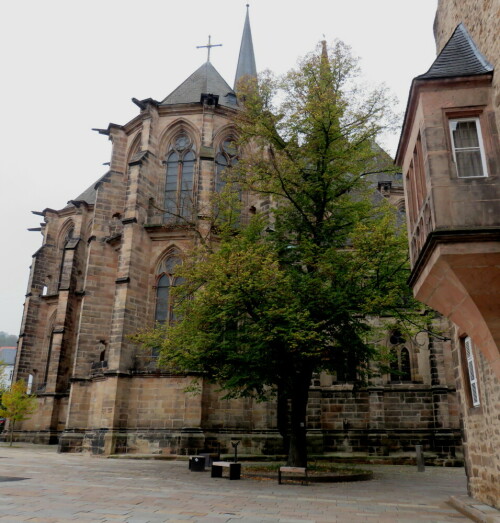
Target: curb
[(475, 510), (364, 476)]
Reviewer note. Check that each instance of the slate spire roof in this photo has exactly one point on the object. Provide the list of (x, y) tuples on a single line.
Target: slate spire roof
[(246, 60), (459, 57), (207, 80)]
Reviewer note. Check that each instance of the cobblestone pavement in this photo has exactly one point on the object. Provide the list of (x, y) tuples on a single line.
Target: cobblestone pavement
[(68, 487)]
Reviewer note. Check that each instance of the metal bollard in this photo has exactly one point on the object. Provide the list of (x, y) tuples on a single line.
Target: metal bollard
[(420, 458), (235, 447)]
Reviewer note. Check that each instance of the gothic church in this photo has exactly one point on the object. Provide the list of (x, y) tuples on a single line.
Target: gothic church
[(106, 268)]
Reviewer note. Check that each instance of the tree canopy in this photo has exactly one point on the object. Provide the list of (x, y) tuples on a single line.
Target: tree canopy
[(289, 292)]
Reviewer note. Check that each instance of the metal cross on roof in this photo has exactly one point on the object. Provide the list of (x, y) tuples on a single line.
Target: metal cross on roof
[(208, 46)]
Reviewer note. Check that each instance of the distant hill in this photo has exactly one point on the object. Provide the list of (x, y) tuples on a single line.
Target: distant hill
[(7, 340)]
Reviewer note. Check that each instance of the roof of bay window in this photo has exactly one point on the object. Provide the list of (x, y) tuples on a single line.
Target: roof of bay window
[(205, 80), (459, 57)]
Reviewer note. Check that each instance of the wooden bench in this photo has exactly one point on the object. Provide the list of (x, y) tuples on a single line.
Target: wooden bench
[(234, 469), (295, 471)]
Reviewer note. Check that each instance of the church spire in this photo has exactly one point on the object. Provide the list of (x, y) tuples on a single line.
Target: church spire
[(246, 60)]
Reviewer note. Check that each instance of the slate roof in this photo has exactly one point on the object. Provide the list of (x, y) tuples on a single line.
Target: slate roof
[(206, 79), (246, 60), (459, 57), (88, 196)]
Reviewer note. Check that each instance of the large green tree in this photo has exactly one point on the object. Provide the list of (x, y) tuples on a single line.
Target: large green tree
[(290, 293)]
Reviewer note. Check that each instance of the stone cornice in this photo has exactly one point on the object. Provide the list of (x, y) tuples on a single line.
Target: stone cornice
[(52, 394), (478, 234), (169, 232), (129, 220), (194, 108)]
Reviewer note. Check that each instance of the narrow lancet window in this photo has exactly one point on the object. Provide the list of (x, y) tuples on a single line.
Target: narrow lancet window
[(165, 283), (225, 158), (67, 239)]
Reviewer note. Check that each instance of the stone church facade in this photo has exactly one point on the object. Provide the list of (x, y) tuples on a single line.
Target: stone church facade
[(450, 155), (106, 268)]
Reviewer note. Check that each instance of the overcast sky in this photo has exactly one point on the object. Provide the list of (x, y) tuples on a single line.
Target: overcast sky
[(71, 65)]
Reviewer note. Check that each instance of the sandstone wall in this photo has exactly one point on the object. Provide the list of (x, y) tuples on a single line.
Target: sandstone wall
[(481, 424), (481, 427)]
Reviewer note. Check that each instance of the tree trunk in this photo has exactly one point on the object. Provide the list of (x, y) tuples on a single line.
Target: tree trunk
[(297, 455), (11, 432), (283, 419)]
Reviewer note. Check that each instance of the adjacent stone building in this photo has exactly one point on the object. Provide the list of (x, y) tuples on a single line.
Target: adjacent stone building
[(450, 154), (7, 361), (106, 268)]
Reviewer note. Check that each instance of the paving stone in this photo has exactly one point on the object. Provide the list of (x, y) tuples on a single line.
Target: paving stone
[(69, 487)]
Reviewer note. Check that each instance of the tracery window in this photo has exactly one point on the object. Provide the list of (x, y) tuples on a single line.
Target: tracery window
[(405, 367), (179, 183), (166, 281), (400, 364)]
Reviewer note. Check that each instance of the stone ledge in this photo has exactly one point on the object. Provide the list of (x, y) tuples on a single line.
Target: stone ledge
[(479, 512)]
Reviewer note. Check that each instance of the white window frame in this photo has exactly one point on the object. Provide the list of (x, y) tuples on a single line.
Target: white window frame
[(29, 385), (452, 123), (471, 372)]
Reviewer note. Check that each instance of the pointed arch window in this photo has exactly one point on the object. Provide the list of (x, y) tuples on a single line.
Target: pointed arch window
[(400, 363), (67, 243), (44, 376), (179, 183), (226, 157), (166, 281), (405, 364), (394, 365)]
